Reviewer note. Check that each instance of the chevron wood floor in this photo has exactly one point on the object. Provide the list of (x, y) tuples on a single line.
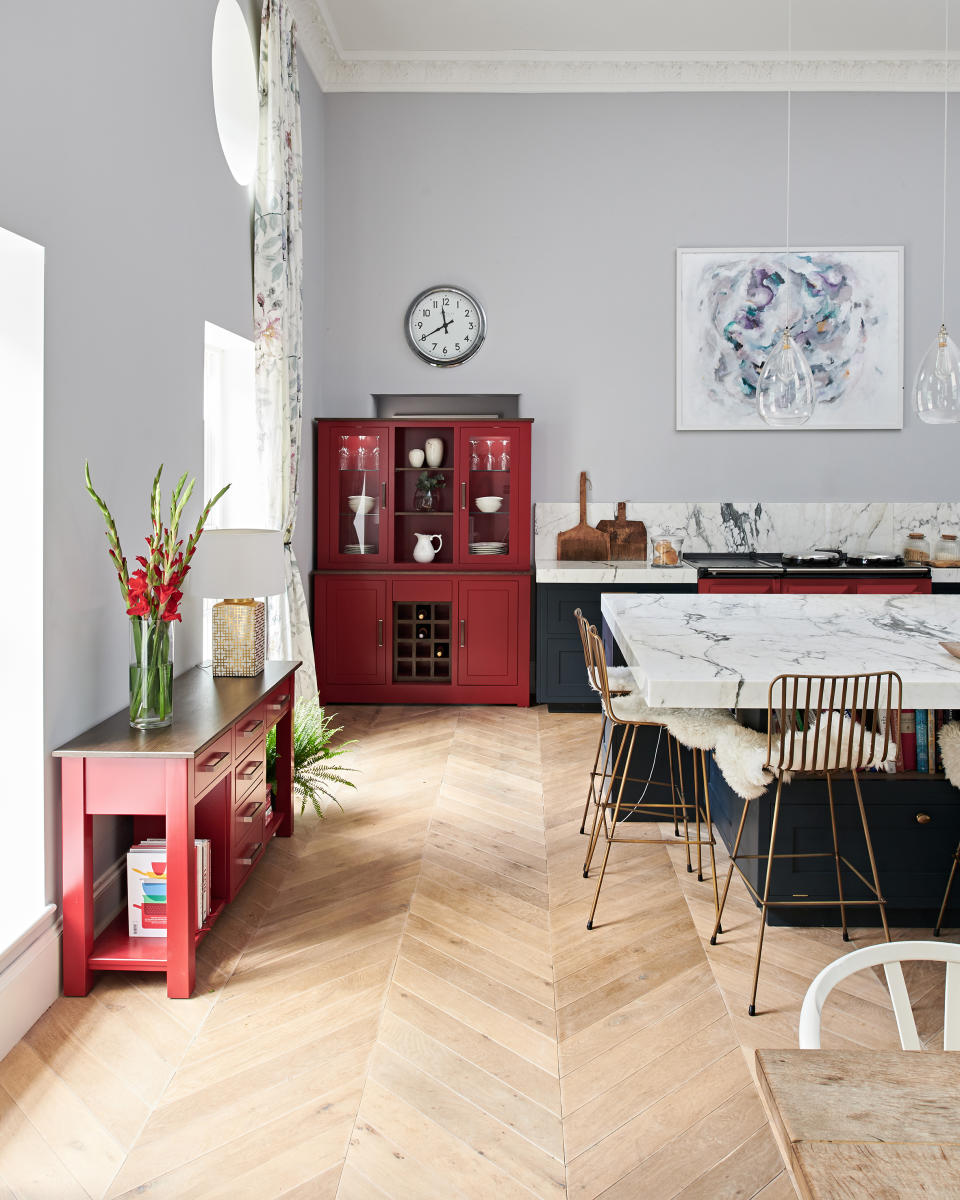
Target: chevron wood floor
[(405, 1002)]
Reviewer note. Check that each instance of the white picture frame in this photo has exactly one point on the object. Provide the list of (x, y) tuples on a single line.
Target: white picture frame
[(846, 304)]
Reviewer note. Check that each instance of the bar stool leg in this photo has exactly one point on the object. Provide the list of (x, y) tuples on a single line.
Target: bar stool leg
[(733, 859), (603, 802), (683, 796), (713, 859), (673, 786), (873, 861), (752, 1007), (946, 894), (591, 790), (696, 801), (836, 858), (613, 824), (596, 793)]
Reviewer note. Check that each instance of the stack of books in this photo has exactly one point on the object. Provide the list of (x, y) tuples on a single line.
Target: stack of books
[(918, 738), (147, 886)]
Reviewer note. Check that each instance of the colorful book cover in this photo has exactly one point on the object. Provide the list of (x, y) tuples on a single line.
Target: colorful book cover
[(150, 846), (921, 727), (931, 741), (908, 739), (147, 891)]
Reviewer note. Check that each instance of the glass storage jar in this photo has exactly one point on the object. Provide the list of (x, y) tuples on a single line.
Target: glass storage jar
[(917, 549), (666, 550), (946, 549)]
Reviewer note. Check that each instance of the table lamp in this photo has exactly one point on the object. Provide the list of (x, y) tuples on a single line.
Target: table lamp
[(235, 565)]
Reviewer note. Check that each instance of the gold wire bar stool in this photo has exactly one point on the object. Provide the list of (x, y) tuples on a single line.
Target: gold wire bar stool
[(946, 894), (818, 725), (617, 776)]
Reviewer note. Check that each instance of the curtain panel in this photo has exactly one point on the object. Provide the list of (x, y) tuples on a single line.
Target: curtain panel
[(278, 321)]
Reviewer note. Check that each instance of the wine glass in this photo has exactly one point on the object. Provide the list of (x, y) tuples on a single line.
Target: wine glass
[(474, 455), (504, 454), (363, 454), (344, 455), (376, 454), (489, 460)]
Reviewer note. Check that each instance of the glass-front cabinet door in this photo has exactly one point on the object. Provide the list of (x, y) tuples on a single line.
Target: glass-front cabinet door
[(359, 472), (490, 463)]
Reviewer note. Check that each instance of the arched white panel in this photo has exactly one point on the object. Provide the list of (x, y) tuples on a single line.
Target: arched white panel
[(236, 100)]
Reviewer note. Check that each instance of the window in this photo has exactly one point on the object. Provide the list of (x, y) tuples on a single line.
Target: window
[(22, 857)]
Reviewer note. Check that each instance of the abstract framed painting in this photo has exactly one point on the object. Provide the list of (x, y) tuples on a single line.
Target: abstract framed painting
[(846, 310)]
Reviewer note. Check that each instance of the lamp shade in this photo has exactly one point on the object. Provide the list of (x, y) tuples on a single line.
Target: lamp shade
[(232, 564)]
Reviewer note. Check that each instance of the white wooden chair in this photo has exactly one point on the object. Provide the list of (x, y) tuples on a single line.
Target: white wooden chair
[(889, 955)]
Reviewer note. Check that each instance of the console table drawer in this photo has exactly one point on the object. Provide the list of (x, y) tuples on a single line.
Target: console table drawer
[(249, 728), (279, 702), (212, 762), (250, 770)]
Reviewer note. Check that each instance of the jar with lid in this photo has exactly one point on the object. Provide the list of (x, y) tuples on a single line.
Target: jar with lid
[(917, 549), (946, 550)]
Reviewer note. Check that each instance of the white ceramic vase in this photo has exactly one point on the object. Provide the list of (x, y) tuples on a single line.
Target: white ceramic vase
[(434, 451), (416, 458), (424, 550)]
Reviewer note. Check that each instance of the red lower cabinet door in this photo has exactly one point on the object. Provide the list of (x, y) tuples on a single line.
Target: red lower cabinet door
[(487, 631), (741, 586), (818, 585), (355, 630)]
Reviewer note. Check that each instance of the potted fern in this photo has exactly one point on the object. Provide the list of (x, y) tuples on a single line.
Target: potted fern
[(315, 769)]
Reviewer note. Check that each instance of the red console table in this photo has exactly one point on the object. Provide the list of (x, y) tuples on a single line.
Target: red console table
[(202, 777)]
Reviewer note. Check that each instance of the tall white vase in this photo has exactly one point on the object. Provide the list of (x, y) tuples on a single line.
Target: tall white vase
[(434, 451)]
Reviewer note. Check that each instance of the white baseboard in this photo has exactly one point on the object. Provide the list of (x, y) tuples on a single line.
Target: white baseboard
[(30, 969)]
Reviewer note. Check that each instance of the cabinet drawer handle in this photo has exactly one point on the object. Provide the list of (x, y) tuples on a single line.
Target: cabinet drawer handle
[(463, 493), (248, 862), (250, 769), (383, 502), (379, 631), (463, 633), (214, 761), (248, 820), (923, 818), (280, 701), (251, 728)]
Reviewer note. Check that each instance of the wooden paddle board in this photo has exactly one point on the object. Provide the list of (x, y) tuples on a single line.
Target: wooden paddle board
[(628, 539), (583, 543)]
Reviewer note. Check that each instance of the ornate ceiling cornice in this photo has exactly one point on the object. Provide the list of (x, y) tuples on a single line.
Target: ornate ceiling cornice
[(337, 72)]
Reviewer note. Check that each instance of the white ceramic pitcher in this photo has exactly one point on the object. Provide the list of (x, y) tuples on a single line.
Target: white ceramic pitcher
[(424, 550)]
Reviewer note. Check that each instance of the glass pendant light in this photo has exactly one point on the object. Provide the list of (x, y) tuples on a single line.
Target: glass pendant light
[(786, 396), (936, 390)]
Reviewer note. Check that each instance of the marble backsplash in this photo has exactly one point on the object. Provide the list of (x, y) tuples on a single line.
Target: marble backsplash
[(854, 526)]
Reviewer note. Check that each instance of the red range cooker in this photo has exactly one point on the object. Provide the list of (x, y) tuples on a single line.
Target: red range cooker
[(829, 572)]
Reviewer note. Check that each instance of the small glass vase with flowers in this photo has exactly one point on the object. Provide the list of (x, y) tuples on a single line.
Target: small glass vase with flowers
[(151, 596)]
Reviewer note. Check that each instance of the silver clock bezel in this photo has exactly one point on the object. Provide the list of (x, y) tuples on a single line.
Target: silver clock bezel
[(448, 289)]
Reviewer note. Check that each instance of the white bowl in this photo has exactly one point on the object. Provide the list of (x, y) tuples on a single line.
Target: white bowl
[(489, 504), (360, 504)]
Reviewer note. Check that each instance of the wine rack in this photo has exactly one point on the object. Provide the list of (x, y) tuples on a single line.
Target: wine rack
[(421, 643)]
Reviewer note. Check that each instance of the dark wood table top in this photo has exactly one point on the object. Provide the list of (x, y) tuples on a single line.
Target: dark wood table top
[(866, 1123), (204, 707)]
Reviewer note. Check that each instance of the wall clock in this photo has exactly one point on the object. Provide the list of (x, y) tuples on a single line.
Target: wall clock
[(445, 326)]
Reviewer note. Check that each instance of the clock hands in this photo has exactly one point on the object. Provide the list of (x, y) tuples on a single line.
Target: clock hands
[(445, 326)]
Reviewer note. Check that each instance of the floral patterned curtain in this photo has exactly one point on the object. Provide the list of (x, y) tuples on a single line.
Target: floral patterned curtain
[(278, 316)]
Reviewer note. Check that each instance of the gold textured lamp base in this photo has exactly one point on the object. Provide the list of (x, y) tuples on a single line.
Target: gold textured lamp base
[(238, 637)]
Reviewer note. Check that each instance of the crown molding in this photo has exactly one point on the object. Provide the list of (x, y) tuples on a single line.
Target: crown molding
[(337, 71)]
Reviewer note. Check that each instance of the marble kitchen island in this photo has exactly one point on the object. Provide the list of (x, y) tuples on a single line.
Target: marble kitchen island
[(723, 651)]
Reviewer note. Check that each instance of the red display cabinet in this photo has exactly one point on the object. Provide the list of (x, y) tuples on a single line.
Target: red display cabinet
[(423, 598)]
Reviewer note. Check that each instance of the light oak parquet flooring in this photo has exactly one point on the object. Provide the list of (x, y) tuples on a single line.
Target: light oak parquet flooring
[(404, 1002)]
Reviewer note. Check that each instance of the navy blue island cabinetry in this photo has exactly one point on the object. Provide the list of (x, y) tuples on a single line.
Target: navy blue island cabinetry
[(561, 677)]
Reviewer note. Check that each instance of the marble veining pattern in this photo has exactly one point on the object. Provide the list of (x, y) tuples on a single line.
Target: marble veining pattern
[(723, 651), (855, 526), (623, 571)]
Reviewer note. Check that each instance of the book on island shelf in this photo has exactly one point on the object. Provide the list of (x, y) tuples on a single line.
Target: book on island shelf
[(147, 886)]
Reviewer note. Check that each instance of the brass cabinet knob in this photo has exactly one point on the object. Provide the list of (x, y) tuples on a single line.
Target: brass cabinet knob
[(923, 818)]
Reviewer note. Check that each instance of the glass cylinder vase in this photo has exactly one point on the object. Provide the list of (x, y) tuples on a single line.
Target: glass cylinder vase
[(151, 673)]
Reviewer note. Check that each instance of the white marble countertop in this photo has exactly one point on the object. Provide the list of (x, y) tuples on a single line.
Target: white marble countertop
[(945, 574), (624, 570), (722, 651)]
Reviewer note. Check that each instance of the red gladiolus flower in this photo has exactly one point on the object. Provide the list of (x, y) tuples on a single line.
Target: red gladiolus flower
[(170, 612), (140, 609), (167, 594), (138, 583)]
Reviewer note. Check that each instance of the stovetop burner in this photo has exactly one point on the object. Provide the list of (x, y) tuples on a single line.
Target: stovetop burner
[(813, 558), (820, 561)]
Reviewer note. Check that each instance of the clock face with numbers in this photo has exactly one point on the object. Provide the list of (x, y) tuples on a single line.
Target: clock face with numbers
[(445, 326)]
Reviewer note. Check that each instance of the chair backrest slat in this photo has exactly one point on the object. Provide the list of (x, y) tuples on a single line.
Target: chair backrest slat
[(951, 1008), (840, 742), (897, 987)]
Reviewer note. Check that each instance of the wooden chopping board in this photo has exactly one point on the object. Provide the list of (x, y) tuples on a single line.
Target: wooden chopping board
[(583, 543), (628, 539)]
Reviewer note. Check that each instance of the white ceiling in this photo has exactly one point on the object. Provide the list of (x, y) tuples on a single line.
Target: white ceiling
[(629, 45)]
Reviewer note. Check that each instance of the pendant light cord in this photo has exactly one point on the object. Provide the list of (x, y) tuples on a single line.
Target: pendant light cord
[(946, 93)]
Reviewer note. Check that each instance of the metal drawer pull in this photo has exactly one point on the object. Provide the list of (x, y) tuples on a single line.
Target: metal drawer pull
[(379, 631), (280, 701), (214, 761), (463, 493), (248, 862), (248, 820), (250, 769), (923, 818), (463, 633), (251, 728), (383, 502)]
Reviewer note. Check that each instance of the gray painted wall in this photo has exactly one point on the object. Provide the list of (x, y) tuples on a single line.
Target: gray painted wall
[(563, 214), (111, 160)]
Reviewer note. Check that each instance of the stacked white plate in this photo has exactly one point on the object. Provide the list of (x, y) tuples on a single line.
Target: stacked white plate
[(354, 548), (488, 548)]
